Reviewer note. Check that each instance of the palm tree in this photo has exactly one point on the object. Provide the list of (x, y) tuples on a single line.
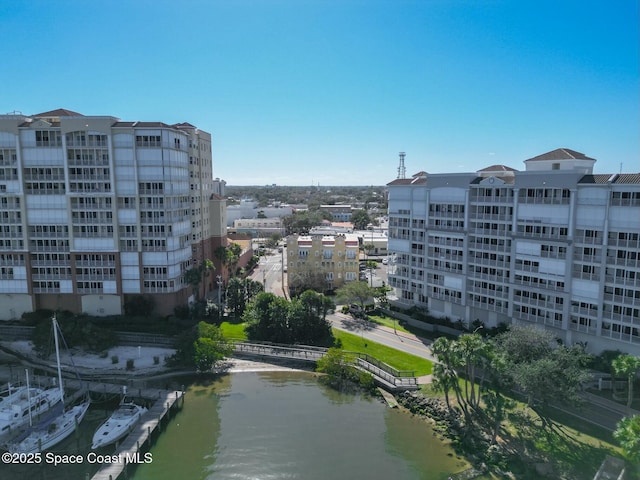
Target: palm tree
[(449, 356), (470, 349), (195, 276), (206, 267), (443, 381), (628, 366)]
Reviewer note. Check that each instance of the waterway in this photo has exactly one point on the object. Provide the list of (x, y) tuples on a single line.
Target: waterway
[(273, 425), (287, 425)]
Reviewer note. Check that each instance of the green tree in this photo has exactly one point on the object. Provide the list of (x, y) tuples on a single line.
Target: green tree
[(628, 435), (195, 276), (308, 319), (301, 222), (471, 352), (315, 281), (202, 346), (380, 295), (234, 251), (240, 292), (267, 319), (541, 368), (443, 381), (356, 292), (360, 219), (627, 366), (448, 356), (340, 371)]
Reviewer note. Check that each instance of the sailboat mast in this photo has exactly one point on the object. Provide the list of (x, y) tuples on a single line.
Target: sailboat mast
[(55, 337), (26, 372)]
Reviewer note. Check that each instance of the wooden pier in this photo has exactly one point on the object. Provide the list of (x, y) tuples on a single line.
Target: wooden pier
[(131, 449)]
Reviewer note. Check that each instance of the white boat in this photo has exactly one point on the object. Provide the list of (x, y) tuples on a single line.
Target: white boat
[(54, 430), (21, 405), (50, 434), (118, 424)]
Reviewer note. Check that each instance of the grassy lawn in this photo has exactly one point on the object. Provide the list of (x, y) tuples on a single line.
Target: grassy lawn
[(353, 343), (233, 331), (388, 322), (417, 331), (576, 448), (395, 358)]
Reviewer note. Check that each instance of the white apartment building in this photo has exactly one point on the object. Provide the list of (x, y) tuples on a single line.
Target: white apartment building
[(94, 209), (554, 245)]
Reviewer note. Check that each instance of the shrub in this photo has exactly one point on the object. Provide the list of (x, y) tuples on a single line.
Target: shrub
[(104, 354), (130, 364), (156, 360), (114, 359)]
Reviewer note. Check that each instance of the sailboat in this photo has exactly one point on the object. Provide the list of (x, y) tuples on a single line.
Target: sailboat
[(56, 429), (21, 404), (118, 424)]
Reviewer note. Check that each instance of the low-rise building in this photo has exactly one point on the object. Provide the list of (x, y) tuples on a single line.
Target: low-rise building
[(321, 262), (339, 213)]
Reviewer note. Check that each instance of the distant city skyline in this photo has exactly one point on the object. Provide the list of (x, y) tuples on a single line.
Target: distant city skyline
[(329, 92)]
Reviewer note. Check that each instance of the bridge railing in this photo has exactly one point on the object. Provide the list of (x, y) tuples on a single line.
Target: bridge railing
[(387, 368), (386, 376), (301, 352), (305, 352)]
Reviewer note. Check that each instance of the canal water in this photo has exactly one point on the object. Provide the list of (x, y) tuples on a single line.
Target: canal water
[(271, 425), (287, 425)]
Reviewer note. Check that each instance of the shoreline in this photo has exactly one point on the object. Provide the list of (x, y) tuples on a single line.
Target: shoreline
[(89, 364)]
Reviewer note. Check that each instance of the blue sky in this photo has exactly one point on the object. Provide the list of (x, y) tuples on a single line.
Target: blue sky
[(300, 92)]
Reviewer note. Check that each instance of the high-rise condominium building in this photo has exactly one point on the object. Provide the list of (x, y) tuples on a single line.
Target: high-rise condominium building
[(94, 209), (555, 246)]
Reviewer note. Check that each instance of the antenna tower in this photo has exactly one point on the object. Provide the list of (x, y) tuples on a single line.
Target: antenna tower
[(401, 170)]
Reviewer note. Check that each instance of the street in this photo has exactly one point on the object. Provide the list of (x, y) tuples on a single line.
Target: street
[(402, 341)]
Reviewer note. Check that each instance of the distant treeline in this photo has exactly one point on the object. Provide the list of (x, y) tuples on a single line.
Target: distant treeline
[(313, 196)]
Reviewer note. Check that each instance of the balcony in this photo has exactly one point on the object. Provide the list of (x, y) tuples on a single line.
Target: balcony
[(591, 312), (490, 199), (622, 300), (51, 276), (631, 282)]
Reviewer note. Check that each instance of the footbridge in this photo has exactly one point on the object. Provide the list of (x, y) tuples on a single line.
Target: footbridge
[(383, 374)]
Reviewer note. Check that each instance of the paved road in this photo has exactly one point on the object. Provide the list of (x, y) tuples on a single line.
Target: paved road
[(269, 273), (402, 341)]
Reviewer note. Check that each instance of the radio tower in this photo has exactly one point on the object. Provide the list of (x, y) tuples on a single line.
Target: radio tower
[(401, 170)]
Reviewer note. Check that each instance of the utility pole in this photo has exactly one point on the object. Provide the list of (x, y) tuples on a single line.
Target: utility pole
[(219, 282)]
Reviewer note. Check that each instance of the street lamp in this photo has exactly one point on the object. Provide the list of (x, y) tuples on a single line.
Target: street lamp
[(219, 282)]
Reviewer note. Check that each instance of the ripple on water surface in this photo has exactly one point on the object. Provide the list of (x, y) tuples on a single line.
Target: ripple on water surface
[(285, 425)]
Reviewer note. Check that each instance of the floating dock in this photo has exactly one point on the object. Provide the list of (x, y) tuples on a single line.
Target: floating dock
[(131, 449)]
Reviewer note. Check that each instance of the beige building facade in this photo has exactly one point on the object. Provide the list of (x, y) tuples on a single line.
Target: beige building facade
[(95, 210), (324, 262)]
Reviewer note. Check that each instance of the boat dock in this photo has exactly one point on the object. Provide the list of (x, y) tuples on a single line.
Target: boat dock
[(131, 449)]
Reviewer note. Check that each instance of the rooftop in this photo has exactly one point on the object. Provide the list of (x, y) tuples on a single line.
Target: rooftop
[(560, 154)]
